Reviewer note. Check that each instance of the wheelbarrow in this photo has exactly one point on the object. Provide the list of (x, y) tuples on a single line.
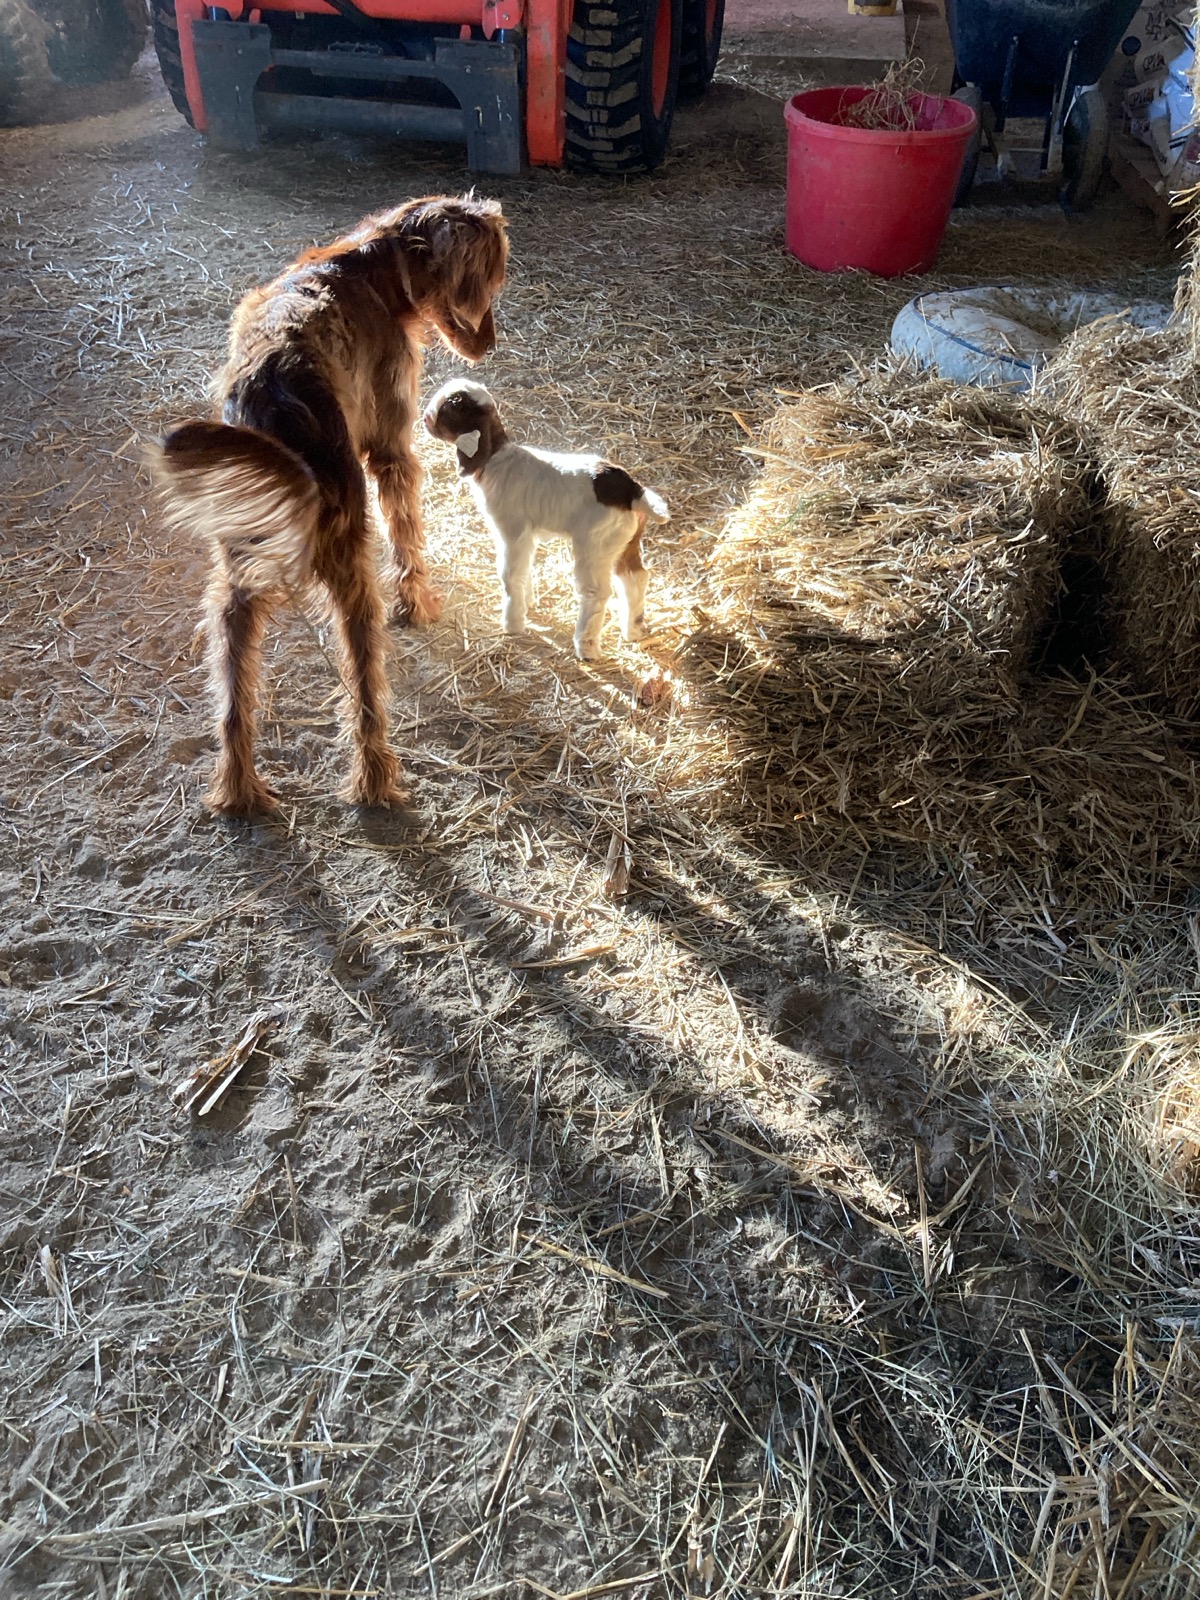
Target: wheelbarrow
[(1039, 59)]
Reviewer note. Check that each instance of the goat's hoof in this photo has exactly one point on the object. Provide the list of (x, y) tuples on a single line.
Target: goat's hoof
[(635, 632), (515, 630), (587, 651), (414, 608), (246, 799)]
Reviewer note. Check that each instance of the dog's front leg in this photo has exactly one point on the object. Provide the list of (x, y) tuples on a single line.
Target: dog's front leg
[(398, 479)]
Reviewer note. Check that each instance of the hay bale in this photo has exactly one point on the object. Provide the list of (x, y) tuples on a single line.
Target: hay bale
[(880, 602), (881, 594), (1136, 398), (917, 517)]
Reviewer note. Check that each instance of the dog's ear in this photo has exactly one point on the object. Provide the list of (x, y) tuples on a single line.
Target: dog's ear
[(448, 228)]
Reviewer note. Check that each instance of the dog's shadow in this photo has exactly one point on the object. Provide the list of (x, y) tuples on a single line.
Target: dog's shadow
[(400, 826)]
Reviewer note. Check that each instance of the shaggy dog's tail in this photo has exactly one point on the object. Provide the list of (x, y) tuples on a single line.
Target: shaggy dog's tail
[(255, 500)]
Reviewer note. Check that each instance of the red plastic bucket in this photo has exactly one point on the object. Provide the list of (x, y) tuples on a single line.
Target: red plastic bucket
[(873, 198)]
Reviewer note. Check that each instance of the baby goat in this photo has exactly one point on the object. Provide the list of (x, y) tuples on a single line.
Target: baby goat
[(527, 495)]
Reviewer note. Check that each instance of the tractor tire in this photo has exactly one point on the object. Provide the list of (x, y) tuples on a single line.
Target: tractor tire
[(24, 66), (622, 75), (170, 60), (93, 41), (700, 47)]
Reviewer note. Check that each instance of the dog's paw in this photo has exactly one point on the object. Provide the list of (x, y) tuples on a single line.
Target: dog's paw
[(414, 607), (243, 797), (375, 780), (377, 796)]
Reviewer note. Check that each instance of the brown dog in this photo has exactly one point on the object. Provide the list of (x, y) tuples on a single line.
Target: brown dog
[(322, 378)]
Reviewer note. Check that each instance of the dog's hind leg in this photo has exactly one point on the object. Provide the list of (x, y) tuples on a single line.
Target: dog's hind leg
[(236, 620), (398, 478), (359, 616)]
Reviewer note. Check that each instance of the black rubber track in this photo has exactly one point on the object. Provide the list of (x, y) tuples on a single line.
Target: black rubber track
[(700, 47), (170, 61), (24, 65), (611, 122)]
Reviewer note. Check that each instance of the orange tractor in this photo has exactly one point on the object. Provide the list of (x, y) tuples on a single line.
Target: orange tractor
[(590, 83)]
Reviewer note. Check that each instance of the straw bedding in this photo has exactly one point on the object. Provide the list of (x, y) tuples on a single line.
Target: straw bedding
[(952, 654), (612, 1189)]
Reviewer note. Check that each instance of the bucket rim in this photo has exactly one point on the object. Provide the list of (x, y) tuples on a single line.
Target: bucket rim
[(796, 117)]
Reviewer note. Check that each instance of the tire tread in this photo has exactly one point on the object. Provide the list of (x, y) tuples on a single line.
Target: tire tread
[(25, 73), (698, 52), (93, 41), (170, 57), (606, 129)]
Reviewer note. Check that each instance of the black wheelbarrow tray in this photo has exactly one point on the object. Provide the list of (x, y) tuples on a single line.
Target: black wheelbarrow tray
[(1040, 59)]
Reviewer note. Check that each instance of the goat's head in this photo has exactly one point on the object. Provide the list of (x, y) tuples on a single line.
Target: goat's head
[(455, 254), (464, 414), (458, 407)]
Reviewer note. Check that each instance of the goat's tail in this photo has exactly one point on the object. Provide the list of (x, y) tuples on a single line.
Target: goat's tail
[(652, 506), (252, 497)]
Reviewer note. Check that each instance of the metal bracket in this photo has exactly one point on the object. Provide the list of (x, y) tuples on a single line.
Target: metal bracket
[(483, 76), (1052, 149), (1006, 81), (499, 15), (231, 57)]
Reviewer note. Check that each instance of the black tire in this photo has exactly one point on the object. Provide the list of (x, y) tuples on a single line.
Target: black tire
[(970, 95), (93, 41), (1085, 149), (24, 65), (622, 79), (170, 61), (700, 45)]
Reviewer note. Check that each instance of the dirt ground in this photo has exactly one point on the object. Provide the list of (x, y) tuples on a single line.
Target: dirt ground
[(534, 1245)]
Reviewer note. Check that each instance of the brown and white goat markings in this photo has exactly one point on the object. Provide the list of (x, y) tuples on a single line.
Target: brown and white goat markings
[(527, 494), (322, 379)]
